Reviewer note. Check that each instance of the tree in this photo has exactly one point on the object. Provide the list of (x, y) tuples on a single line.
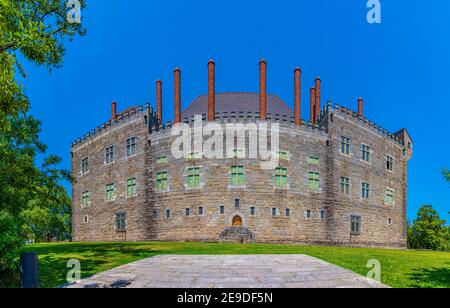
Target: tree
[(33, 202), (446, 174), (428, 231)]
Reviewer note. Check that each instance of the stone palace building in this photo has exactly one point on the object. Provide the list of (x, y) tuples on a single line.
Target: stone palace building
[(341, 178)]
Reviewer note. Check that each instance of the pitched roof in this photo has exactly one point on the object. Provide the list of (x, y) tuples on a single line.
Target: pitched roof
[(237, 102)]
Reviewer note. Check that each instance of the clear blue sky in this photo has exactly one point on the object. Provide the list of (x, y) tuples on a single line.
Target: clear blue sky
[(401, 67)]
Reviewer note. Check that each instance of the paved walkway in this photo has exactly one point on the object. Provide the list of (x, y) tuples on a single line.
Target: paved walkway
[(248, 271)]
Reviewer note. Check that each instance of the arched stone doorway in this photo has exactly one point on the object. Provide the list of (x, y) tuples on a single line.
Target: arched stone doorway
[(237, 221)]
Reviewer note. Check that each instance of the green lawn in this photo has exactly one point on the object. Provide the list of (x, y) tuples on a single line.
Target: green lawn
[(400, 269)]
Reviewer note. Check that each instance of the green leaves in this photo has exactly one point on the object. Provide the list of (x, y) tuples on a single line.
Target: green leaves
[(428, 231)]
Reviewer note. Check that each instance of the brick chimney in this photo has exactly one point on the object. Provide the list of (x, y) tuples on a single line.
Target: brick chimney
[(360, 107), (177, 96), (211, 91), (297, 96), (312, 107), (263, 90), (318, 103), (113, 110), (159, 100)]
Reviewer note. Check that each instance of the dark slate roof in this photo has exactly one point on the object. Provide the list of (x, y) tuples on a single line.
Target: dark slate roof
[(244, 102)]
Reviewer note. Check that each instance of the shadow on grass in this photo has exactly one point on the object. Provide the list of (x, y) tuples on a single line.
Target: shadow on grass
[(431, 277)]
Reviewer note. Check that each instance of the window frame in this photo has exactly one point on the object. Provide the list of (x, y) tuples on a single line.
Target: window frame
[(314, 181), (346, 143), (345, 185), (355, 225), (110, 190), (366, 153), (365, 190), (110, 155), (121, 223), (281, 178), (131, 147), (133, 188)]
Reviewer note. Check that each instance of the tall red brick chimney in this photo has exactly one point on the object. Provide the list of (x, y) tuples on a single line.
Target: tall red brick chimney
[(312, 108), (177, 96), (263, 90), (297, 97), (211, 91), (113, 110), (318, 102), (159, 100), (360, 107)]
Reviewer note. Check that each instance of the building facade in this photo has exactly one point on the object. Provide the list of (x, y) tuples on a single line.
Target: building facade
[(341, 179)]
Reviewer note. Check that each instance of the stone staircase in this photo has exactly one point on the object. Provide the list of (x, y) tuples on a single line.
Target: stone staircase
[(237, 235)]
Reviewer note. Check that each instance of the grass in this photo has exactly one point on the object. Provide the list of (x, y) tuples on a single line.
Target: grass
[(400, 269)]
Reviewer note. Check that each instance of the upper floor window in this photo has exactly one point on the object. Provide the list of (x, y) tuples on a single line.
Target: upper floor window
[(237, 175), (238, 153), (314, 160), (84, 165), (194, 156), (345, 185), (131, 146), (162, 160), (288, 213), (322, 214), (222, 209), (121, 222), (110, 192), (314, 182), (168, 213), (281, 178), (201, 211), (365, 153), (161, 181), (237, 203), (282, 155), (365, 190), (252, 211), (194, 177), (389, 163), (355, 225), (85, 199), (308, 214), (109, 155), (274, 212), (131, 188), (389, 196), (187, 212), (345, 145), (154, 214)]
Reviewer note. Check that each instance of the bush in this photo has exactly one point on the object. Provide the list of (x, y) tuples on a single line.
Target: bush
[(10, 243)]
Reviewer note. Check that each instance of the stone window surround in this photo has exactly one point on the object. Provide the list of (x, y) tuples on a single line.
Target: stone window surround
[(322, 214), (202, 183), (319, 189), (288, 180), (308, 214), (126, 189), (82, 199), (393, 197), (113, 154), (115, 221), (168, 182), (369, 162), (393, 162), (350, 186), (230, 178), (82, 164), (361, 223), (369, 191), (350, 146), (168, 211), (86, 219), (106, 192), (135, 147)]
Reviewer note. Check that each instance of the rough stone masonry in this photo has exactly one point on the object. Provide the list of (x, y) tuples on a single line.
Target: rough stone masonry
[(341, 180)]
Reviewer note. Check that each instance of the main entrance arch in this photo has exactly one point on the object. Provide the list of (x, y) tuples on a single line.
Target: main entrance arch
[(237, 221)]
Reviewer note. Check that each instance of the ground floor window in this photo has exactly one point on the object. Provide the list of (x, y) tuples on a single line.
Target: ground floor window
[(121, 222), (355, 223)]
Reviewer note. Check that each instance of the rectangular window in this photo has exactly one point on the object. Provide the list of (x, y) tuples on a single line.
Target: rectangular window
[(390, 196), (345, 145), (345, 185), (281, 178), (84, 165), (162, 160), (200, 211), (322, 214), (121, 222), (365, 190), (237, 176), (194, 177), (154, 214), (252, 211), (238, 153), (282, 155), (237, 203), (314, 182), (308, 214), (390, 163), (222, 210), (131, 188), (187, 212), (168, 214), (161, 181), (131, 147), (110, 192), (274, 212), (109, 155), (355, 225), (194, 156), (365, 153), (288, 212), (314, 160), (85, 199)]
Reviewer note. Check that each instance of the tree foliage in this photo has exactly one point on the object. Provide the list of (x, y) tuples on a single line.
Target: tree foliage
[(428, 231), (33, 203)]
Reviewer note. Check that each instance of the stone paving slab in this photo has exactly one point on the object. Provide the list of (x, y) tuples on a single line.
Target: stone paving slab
[(230, 271)]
